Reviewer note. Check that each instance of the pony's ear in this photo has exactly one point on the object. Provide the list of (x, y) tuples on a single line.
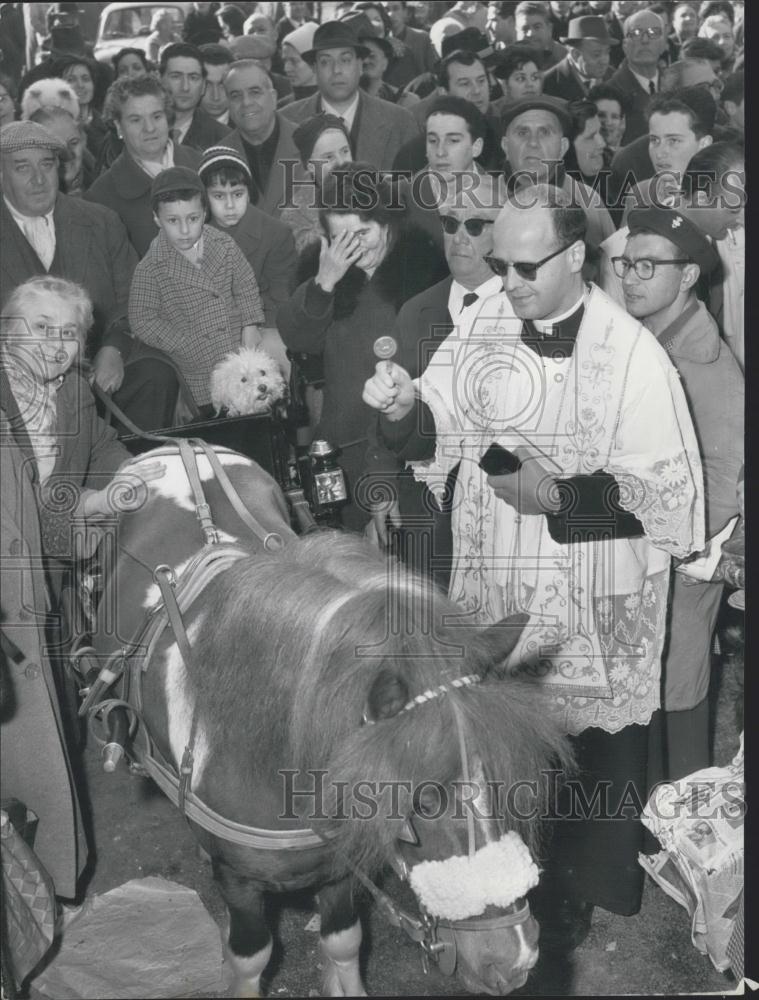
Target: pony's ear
[(387, 696), (503, 637)]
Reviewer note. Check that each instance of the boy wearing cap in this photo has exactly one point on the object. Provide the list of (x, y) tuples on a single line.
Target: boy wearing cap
[(193, 294), (664, 256), (266, 242)]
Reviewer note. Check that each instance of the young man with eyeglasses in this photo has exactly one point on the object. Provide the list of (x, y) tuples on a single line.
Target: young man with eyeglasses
[(664, 257), (638, 76), (582, 401), (465, 220)]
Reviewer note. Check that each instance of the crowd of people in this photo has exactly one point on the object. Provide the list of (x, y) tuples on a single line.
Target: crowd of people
[(543, 203)]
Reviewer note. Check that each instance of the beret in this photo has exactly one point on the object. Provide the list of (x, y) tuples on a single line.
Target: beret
[(538, 103), (176, 179), (306, 134), (680, 230), (16, 136), (214, 156)]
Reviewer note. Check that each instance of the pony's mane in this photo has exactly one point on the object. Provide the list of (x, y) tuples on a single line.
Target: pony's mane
[(310, 629)]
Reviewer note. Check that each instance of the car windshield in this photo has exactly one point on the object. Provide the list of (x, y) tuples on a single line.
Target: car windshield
[(131, 22)]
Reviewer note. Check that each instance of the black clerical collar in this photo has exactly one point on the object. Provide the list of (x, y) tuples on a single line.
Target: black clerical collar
[(557, 342)]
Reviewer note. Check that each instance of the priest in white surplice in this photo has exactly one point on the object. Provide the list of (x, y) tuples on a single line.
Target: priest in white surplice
[(580, 538)]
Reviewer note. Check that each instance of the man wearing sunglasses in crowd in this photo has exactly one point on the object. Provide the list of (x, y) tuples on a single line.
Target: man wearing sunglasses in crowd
[(535, 131), (465, 219), (455, 132), (665, 254), (638, 75), (579, 478)]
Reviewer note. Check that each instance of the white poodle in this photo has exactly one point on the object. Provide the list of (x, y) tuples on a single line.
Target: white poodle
[(51, 92), (248, 381)]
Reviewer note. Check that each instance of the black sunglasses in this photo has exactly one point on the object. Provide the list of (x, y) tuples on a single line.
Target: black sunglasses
[(473, 226), (526, 270)]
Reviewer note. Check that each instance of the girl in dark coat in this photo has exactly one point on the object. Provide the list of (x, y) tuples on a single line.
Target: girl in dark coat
[(349, 291)]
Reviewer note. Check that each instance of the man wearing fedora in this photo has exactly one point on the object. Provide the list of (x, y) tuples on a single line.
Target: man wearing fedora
[(586, 63), (377, 128)]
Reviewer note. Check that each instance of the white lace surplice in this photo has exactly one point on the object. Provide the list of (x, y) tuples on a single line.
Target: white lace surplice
[(596, 609)]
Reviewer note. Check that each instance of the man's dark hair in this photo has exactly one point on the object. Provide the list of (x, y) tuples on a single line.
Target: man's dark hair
[(734, 89), (534, 8), (461, 56), (476, 122), (608, 92), (514, 57), (179, 194), (215, 55), (695, 102), (711, 164), (183, 49), (233, 18), (711, 7), (129, 52), (701, 48)]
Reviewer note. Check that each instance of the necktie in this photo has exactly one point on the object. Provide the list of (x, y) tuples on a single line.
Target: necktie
[(41, 238), (651, 87), (469, 299)]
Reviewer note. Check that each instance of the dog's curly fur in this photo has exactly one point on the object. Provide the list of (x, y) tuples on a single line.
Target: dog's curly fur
[(52, 92), (248, 381)]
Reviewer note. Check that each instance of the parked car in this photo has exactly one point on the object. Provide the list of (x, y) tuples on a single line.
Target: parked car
[(128, 24)]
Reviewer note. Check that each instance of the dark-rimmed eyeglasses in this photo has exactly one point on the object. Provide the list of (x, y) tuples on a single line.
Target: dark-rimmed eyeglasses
[(644, 33), (525, 269), (474, 227), (645, 267)]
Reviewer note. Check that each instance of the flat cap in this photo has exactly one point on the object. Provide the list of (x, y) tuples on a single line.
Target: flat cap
[(176, 179), (306, 134), (16, 136), (680, 230), (538, 103)]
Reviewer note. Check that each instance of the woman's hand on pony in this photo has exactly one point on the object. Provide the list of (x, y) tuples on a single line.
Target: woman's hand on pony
[(126, 492), (108, 369)]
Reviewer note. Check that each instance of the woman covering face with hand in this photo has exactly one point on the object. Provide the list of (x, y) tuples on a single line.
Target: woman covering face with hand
[(350, 287)]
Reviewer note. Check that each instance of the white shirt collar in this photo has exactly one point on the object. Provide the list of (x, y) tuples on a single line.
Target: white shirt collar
[(20, 219), (223, 118), (644, 80), (347, 116), (459, 312), (546, 324)]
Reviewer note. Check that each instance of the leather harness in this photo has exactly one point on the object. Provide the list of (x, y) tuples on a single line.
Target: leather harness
[(435, 936)]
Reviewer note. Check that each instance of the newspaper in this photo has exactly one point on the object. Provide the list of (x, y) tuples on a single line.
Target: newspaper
[(699, 823)]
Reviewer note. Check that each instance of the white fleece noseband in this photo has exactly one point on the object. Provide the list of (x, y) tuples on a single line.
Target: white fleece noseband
[(460, 887)]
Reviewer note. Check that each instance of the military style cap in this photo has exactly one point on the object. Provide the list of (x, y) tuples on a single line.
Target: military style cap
[(680, 230), (16, 136)]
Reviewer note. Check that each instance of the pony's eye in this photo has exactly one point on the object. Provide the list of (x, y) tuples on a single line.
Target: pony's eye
[(429, 803)]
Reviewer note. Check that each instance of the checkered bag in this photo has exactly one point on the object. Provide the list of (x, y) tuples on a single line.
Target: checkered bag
[(29, 907)]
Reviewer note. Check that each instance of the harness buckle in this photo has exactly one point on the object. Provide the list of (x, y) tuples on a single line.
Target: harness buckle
[(203, 512)]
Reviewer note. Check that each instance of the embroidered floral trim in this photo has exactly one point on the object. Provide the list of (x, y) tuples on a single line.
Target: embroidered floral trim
[(460, 887)]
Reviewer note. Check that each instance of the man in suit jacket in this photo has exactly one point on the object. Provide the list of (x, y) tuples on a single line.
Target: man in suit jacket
[(586, 63), (638, 76), (261, 134), (87, 244), (417, 42), (421, 326), (377, 128), (183, 73)]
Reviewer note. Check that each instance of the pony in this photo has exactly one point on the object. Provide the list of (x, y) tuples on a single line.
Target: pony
[(346, 710)]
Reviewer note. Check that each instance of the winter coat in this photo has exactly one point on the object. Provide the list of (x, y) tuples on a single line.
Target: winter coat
[(343, 325)]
